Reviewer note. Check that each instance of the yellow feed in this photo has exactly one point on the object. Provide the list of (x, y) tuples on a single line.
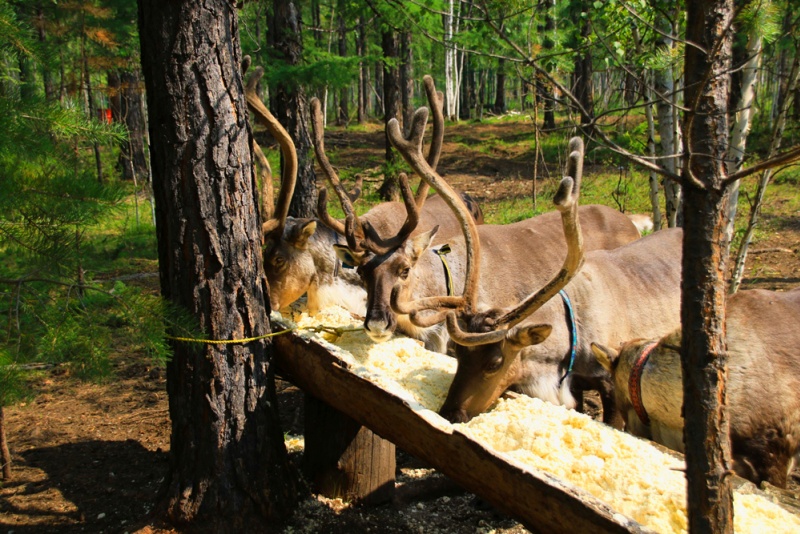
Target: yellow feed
[(628, 473), (403, 362)]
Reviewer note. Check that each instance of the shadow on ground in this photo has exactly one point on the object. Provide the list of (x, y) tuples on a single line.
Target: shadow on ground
[(107, 484)]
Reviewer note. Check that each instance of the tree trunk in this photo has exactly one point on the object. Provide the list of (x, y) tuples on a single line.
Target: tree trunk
[(583, 88), (379, 106), (390, 189), (406, 78), (480, 93), (665, 101), (126, 101), (5, 454), (703, 354), (363, 95), (467, 93), (450, 82), (651, 150), (291, 108), (544, 87), (343, 115), (89, 96), (500, 91), (744, 115), (316, 23), (228, 468), (47, 74), (27, 78)]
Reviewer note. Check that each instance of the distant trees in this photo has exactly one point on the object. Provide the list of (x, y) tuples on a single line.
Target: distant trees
[(55, 311)]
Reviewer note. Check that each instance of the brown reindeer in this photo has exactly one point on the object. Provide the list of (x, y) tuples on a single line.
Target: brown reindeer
[(762, 386), (528, 345), (518, 256), (299, 257)]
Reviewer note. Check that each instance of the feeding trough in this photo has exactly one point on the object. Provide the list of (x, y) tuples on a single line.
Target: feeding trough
[(399, 405)]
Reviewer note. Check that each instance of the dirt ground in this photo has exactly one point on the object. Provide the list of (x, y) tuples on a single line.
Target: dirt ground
[(91, 458)]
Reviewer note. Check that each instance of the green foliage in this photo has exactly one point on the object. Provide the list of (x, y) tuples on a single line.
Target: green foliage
[(11, 379), (57, 220)]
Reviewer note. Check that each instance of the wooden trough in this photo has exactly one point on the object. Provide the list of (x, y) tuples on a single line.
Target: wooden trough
[(539, 500)]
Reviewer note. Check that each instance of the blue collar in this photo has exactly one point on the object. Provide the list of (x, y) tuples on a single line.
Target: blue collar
[(573, 329)]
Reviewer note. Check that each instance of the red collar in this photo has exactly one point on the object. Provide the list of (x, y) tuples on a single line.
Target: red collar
[(635, 383)]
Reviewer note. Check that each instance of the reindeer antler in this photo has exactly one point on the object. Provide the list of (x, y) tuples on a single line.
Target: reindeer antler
[(289, 170), (360, 235), (436, 102), (566, 201), (411, 150), (322, 158)]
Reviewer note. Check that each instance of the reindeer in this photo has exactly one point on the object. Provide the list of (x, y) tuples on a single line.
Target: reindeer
[(518, 255), (528, 345), (425, 216), (763, 405), (298, 252)]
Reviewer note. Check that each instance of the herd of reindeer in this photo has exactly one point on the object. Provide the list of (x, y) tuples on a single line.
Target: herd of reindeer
[(608, 320)]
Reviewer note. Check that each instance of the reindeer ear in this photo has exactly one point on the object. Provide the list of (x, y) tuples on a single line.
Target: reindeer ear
[(528, 335), (348, 258), (420, 243), (605, 356), (300, 233)]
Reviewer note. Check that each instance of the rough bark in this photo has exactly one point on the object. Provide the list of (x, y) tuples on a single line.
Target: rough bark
[(704, 358), (229, 468), (291, 106)]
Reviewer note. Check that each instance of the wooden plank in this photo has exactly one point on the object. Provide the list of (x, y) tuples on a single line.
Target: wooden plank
[(537, 499)]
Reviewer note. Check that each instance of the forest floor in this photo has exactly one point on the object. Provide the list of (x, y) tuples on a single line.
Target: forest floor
[(92, 457)]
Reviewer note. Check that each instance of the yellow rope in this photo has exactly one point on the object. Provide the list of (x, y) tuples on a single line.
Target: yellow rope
[(228, 341), (319, 328)]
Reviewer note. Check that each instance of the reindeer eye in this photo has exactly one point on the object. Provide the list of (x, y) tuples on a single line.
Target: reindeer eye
[(279, 262), (404, 273), (494, 364)]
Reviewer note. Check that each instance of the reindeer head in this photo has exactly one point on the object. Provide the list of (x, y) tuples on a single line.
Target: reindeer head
[(489, 343), (381, 261), (288, 266), (288, 263)]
